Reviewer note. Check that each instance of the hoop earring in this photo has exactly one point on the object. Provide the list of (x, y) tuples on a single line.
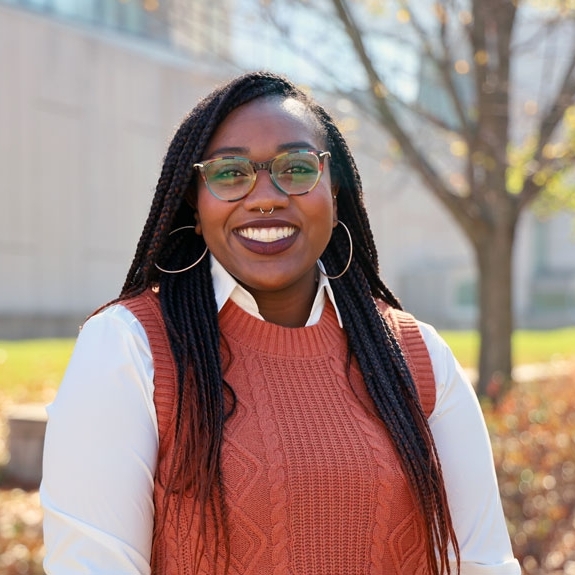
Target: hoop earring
[(189, 267), (350, 254)]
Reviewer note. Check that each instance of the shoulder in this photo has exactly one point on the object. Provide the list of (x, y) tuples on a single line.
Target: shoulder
[(449, 378), (451, 381), (116, 322), (145, 306), (122, 316), (406, 330), (442, 359), (435, 343), (140, 315), (111, 359)]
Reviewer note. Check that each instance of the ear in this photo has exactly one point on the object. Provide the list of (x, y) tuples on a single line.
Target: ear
[(198, 228), (191, 195)]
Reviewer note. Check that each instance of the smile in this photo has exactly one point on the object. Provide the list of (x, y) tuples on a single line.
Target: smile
[(267, 235)]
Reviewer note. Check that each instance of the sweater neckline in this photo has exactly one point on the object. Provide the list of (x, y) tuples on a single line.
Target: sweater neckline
[(266, 337)]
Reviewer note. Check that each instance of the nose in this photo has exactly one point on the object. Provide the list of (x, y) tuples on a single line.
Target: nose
[(265, 195)]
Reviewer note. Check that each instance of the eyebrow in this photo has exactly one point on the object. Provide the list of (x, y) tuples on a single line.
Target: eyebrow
[(233, 150)]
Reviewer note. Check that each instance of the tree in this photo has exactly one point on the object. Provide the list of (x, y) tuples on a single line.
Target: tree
[(506, 72)]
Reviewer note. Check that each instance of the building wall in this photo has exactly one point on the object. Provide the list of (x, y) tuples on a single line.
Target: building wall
[(86, 118)]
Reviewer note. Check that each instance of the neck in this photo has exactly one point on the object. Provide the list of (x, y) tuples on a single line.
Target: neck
[(289, 307)]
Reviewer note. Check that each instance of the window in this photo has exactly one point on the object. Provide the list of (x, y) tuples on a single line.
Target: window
[(466, 294), (142, 18)]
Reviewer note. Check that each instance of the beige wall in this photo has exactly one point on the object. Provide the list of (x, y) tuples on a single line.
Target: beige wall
[(85, 120)]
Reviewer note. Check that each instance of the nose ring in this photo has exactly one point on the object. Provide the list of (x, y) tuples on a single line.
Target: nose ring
[(270, 212)]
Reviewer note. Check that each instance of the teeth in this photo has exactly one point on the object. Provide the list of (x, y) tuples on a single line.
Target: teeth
[(266, 234)]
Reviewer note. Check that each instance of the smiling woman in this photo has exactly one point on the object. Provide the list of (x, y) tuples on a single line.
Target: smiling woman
[(286, 196), (255, 401)]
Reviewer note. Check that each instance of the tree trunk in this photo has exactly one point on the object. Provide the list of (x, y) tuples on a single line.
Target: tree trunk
[(494, 253)]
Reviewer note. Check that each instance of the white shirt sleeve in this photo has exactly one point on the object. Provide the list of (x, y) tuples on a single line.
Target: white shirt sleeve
[(464, 450), (100, 453)]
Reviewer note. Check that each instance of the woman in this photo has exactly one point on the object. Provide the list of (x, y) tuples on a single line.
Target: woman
[(255, 401)]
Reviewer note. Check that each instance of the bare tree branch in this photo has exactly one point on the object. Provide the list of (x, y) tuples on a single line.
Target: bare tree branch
[(284, 31), (565, 98), (493, 22), (460, 207), (557, 109), (443, 64), (531, 189), (431, 118)]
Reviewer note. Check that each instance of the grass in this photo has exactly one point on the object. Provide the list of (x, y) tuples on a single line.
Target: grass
[(30, 369), (529, 346)]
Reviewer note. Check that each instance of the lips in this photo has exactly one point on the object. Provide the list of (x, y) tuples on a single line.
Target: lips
[(267, 239)]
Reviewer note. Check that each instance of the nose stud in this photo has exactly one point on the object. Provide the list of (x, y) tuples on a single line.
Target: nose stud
[(270, 212)]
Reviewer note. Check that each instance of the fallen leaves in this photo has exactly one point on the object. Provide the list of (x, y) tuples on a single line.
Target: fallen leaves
[(21, 547), (533, 437)]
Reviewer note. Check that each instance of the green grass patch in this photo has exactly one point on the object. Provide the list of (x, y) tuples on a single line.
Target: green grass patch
[(30, 370), (529, 346), (464, 344)]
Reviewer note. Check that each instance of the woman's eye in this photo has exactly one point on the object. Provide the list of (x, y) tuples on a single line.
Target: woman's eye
[(230, 172), (299, 168)]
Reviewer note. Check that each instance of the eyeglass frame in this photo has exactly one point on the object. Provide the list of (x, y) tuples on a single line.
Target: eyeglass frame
[(267, 165)]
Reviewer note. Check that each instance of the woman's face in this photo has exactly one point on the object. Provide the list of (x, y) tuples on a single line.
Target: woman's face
[(268, 252)]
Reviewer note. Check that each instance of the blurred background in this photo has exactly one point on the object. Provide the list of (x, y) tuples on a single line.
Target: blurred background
[(461, 116), (92, 90)]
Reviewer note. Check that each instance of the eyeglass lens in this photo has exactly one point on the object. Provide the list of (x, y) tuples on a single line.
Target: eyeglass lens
[(232, 178)]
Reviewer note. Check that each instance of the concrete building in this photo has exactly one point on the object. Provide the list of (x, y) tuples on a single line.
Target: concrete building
[(87, 108), (90, 93)]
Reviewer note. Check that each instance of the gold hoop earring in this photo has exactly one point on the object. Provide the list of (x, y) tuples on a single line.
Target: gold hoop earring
[(189, 267), (350, 255)]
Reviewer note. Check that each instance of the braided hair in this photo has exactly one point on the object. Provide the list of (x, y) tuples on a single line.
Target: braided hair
[(191, 318)]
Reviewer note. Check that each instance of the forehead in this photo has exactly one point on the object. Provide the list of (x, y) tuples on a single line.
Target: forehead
[(268, 123)]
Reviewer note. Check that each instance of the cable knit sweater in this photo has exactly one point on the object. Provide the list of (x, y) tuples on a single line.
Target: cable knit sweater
[(313, 484)]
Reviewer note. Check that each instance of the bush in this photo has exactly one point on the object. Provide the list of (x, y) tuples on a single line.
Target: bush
[(533, 437)]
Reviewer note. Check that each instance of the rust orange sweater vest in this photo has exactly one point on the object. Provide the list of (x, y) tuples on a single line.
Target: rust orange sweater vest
[(313, 484)]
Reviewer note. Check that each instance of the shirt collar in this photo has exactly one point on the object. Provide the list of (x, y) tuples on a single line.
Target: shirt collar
[(226, 287)]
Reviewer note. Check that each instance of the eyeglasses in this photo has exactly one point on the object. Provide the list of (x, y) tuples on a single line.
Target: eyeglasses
[(231, 178)]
